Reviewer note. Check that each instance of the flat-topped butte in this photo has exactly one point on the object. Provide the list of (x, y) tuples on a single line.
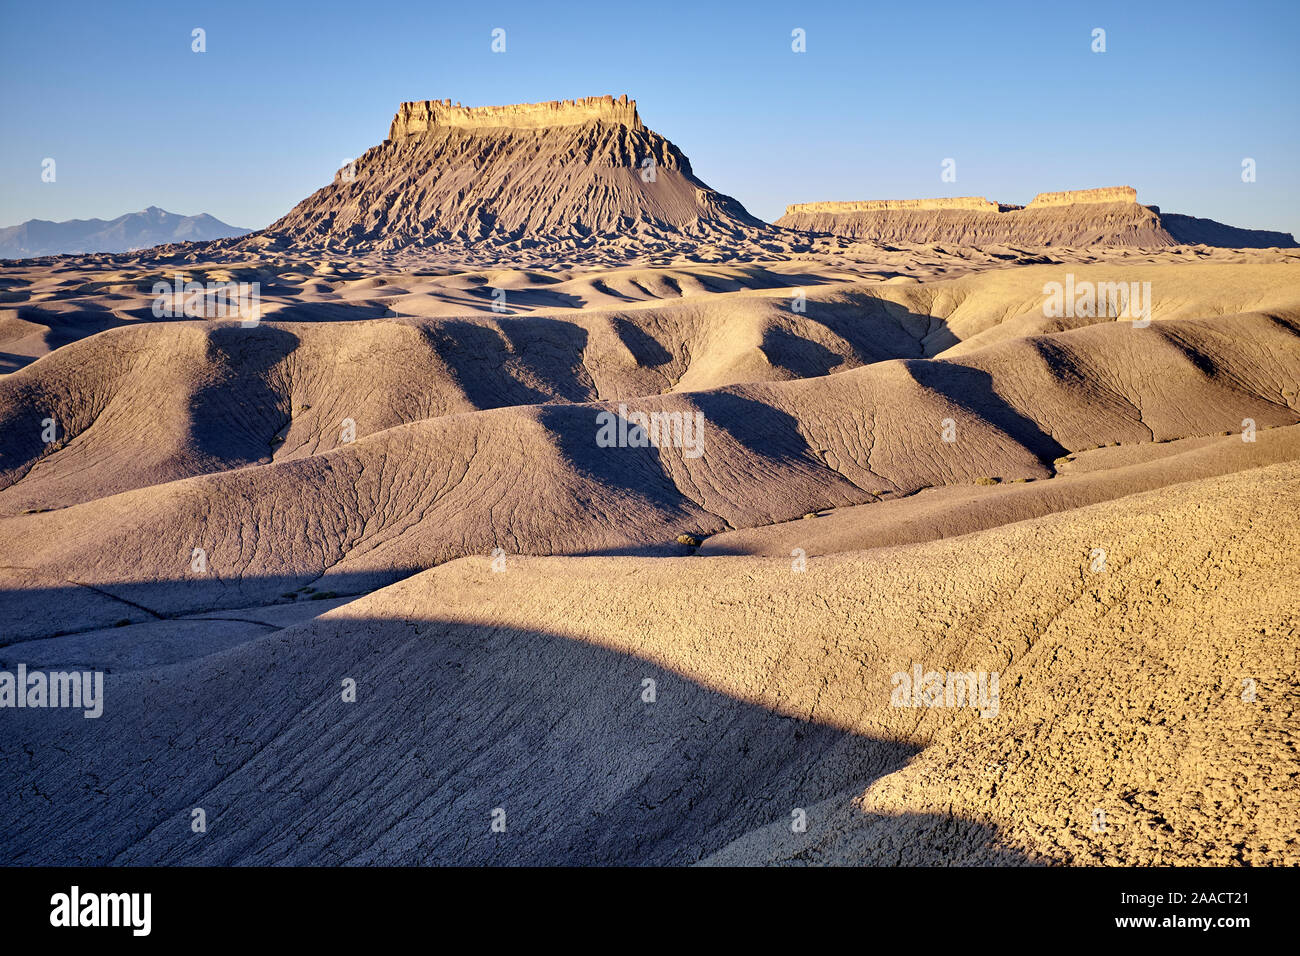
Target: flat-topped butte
[(423, 115), (1106, 194)]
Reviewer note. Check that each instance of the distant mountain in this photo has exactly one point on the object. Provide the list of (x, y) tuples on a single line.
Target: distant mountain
[(135, 230)]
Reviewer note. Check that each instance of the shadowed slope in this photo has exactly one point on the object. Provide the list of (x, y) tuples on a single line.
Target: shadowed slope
[(1090, 477)]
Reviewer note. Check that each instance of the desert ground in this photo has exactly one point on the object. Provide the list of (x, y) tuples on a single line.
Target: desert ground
[(682, 653)]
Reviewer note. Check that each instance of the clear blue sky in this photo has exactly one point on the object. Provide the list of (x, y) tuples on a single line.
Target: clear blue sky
[(884, 93)]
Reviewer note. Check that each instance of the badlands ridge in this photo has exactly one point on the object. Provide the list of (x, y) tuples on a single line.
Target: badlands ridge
[(1110, 216)]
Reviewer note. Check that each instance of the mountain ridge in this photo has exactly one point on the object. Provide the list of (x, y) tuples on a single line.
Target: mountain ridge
[(151, 226)]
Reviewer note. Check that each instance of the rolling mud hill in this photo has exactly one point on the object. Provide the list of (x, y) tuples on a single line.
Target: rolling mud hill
[(532, 479), (234, 397)]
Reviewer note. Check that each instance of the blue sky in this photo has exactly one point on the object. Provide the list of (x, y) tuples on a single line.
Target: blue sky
[(885, 92)]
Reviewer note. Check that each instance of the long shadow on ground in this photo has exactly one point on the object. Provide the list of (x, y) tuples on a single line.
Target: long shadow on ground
[(453, 726)]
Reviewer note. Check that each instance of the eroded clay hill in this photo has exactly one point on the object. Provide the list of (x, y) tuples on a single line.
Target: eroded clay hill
[(1110, 216), (560, 173), (533, 479)]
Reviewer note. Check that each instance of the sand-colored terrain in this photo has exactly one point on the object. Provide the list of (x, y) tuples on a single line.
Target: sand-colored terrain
[(899, 460)]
